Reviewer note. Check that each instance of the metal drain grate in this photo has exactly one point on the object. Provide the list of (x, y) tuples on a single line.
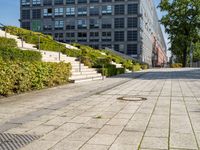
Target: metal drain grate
[(132, 98), (15, 141)]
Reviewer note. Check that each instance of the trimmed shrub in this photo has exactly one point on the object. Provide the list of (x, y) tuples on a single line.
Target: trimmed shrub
[(111, 70), (144, 66), (136, 67), (7, 43), (176, 65), (17, 54), (17, 77), (86, 61)]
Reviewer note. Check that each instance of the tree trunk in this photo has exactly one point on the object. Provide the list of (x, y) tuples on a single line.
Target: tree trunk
[(185, 57)]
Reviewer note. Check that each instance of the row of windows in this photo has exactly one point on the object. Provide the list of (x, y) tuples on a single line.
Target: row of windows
[(61, 2), (80, 11)]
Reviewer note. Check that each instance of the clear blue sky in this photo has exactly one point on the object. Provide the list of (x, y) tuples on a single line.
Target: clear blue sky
[(9, 12)]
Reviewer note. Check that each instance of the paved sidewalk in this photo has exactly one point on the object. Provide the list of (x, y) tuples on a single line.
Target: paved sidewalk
[(89, 116)]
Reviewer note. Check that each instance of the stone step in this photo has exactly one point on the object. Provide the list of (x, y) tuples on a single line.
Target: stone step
[(84, 73), (75, 77), (83, 69), (86, 79)]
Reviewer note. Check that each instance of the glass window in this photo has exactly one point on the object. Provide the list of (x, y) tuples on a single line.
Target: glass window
[(70, 1), (59, 11), (103, 46), (26, 25), (36, 2), (36, 13), (106, 23), (132, 22), (47, 25), (107, 10), (119, 48), (70, 24), (119, 9), (25, 2), (132, 35), (36, 25), (82, 24), (132, 9), (47, 2), (59, 24), (82, 1), (106, 0), (94, 1), (94, 23), (47, 12), (94, 11), (119, 36), (82, 11), (82, 34), (119, 22), (132, 49), (58, 2), (70, 11), (70, 37), (106, 37), (25, 14)]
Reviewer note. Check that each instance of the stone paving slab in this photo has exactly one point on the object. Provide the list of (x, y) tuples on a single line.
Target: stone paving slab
[(89, 116)]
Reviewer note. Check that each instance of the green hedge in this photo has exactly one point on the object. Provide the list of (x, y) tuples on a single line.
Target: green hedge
[(17, 77), (17, 54), (111, 70), (7, 43), (176, 65)]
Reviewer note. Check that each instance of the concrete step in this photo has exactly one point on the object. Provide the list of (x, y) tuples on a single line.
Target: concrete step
[(76, 77), (84, 73), (83, 69), (86, 79)]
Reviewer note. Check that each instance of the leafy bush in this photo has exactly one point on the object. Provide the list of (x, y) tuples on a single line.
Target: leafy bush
[(136, 67), (17, 77), (176, 65), (86, 61), (17, 54), (144, 66), (111, 70), (7, 43)]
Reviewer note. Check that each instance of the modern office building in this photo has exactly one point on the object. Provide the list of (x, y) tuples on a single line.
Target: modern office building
[(128, 26)]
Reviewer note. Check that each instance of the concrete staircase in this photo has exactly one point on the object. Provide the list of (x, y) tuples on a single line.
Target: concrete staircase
[(80, 72)]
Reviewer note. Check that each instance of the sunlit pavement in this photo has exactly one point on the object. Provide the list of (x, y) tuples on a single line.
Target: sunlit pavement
[(93, 116)]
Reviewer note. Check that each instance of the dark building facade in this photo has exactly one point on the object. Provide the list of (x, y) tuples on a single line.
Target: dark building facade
[(127, 26)]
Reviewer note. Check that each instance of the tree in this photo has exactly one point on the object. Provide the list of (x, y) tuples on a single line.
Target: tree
[(182, 23)]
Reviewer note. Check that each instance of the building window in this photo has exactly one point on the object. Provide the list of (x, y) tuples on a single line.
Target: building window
[(82, 24), (132, 9), (36, 25), (70, 11), (94, 11), (132, 22), (58, 2), (83, 36), (132, 35), (119, 48), (103, 46), (59, 24), (25, 2), (94, 23), (70, 24), (70, 1), (132, 49), (106, 23), (25, 14), (58, 37), (36, 2), (106, 0), (107, 10), (119, 22), (106, 37), (70, 37), (94, 1), (82, 11), (119, 36), (26, 25), (119, 9), (82, 1), (94, 36), (47, 2), (47, 12), (47, 25), (36, 13), (59, 11), (119, 0)]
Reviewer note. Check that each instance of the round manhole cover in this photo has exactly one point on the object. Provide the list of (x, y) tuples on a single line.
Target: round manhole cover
[(131, 98)]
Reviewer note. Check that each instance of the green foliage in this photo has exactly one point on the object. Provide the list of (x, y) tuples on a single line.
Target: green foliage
[(144, 66), (17, 54), (111, 70), (46, 41), (182, 23), (196, 52), (86, 61), (176, 65), (17, 76), (136, 67), (7, 43)]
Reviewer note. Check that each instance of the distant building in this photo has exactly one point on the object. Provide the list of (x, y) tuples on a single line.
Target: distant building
[(127, 26)]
